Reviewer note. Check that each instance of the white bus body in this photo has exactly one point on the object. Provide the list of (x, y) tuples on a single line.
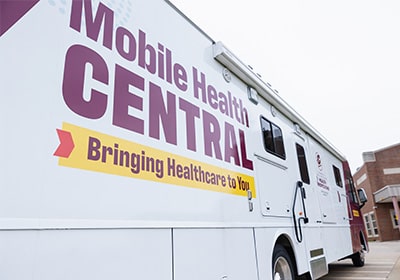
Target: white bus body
[(133, 146)]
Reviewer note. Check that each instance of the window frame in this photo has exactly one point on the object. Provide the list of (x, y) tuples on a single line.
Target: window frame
[(337, 175), (273, 145), (395, 222), (371, 224), (302, 163)]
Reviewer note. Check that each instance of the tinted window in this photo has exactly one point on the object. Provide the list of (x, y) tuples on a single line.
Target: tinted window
[(272, 138), (301, 158), (338, 178), (352, 191)]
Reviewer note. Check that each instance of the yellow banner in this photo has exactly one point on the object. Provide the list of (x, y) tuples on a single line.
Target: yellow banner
[(90, 150)]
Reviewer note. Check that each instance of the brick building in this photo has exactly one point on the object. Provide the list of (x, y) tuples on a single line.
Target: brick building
[(380, 178)]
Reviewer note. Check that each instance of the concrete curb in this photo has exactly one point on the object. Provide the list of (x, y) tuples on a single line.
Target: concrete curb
[(395, 273)]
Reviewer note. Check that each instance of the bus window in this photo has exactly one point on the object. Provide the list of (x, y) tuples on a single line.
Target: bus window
[(352, 189), (301, 157), (338, 178), (272, 138)]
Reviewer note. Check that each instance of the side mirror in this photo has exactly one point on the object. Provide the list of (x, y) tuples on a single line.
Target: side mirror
[(362, 196)]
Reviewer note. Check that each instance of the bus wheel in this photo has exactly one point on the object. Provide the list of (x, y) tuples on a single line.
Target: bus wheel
[(358, 259), (282, 268)]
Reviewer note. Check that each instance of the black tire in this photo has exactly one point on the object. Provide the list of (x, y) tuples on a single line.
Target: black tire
[(282, 267), (358, 259)]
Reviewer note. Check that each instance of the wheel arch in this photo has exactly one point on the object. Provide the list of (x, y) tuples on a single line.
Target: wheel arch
[(285, 241)]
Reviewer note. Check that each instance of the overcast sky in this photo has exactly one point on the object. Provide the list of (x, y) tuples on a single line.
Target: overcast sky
[(337, 63)]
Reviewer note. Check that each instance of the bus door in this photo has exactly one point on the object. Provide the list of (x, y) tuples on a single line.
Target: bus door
[(328, 193), (306, 210), (273, 179)]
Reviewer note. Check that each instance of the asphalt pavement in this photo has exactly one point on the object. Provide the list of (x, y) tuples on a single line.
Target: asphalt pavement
[(382, 263)]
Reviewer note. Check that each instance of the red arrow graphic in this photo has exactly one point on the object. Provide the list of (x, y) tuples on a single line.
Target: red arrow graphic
[(66, 144), (12, 11)]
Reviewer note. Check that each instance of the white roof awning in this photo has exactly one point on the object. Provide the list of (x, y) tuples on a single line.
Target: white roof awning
[(386, 194)]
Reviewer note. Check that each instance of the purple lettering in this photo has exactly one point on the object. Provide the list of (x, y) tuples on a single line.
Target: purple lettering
[(106, 150), (246, 163), (169, 66), (180, 77), (93, 26), (158, 112), (236, 109), (231, 148), (161, 61), (124, 99), (199, 85), (245, 116), (212, 135), (93, 148), (223, 104), (147, 54), (212, 97), (126, 44), (192, 112), (76, 59)]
